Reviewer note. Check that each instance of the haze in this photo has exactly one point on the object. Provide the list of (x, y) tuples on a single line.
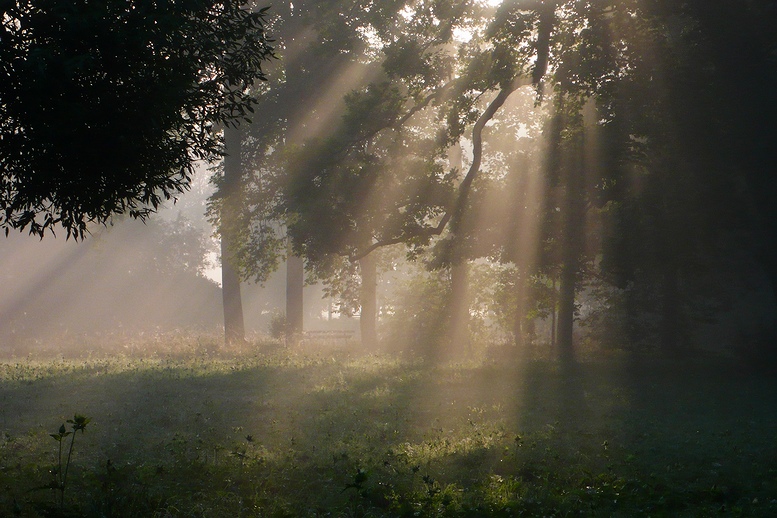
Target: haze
[(472, 258)]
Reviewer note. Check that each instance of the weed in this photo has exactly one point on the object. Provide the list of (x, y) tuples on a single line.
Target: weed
[(358, 482), (59, 483)]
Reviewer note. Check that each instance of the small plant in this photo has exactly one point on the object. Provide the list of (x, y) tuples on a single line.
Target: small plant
[(278, 326), (358, 482), (78, 422)]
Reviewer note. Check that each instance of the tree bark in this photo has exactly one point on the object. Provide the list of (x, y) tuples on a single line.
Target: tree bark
[(369, 301), (670, 309), (458, 310), (458, 305), (566, 310), (295, 280), (234, 328), (520, 312), (553, 313), (572, 243)]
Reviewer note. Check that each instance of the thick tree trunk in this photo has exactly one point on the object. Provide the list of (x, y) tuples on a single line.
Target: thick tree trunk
[(670, 310), (234, 329), (368, 319), (295, 280), (572, 243)]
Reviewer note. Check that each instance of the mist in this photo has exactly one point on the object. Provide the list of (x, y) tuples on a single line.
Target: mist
[(388, 259)]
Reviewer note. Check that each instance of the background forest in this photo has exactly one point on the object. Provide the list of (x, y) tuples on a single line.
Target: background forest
[(542, 172)]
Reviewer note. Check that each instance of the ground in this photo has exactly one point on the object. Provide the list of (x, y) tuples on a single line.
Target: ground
[(181, 428)]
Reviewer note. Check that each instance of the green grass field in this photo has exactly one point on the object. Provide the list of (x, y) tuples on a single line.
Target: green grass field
[(189, 431)]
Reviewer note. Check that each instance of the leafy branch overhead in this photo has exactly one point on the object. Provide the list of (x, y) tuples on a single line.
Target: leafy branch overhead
[(105, 107)]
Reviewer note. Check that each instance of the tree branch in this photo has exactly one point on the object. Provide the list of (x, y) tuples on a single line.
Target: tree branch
[(455, 214), (424, 103)]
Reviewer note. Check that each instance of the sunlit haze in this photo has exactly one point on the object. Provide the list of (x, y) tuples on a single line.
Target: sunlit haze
[(388, 259)]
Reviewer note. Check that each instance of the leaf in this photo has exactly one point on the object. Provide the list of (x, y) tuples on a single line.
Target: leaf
[(79, 422)]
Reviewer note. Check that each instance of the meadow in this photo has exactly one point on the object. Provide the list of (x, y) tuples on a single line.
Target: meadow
[(179, 426)]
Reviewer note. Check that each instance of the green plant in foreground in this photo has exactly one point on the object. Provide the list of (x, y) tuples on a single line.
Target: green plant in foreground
[(78, 422), (358, 482)]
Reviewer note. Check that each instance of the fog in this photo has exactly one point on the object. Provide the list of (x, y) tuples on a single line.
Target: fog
[(539, 263), (128, 281)]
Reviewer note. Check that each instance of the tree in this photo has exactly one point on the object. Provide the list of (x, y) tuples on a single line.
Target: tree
[(368, 315), (631, 166), (228, 193), (105, 107), (296, 108), (691, 166), (289, 108), (380, 178)]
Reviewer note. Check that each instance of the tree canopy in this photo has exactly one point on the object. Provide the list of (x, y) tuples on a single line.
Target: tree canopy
[(105, 107)]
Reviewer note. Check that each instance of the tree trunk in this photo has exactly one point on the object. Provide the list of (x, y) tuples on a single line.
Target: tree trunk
[(572, 243), (566, 310), (520, 313), (234, 329), (295, 280), (670, 309), (458, 309), (553, 313), (368, 299), (458, 306)]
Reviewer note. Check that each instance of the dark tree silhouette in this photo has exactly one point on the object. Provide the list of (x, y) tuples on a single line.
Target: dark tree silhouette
[(105, 107)]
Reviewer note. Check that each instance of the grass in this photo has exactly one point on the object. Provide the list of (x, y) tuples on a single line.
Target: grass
[(264, 431)]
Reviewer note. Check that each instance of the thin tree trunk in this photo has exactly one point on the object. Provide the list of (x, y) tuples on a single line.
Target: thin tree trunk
[(520, 312), (566, 310), (369, 301), (234, 328), (295, 280), (553, 307), (459, 308)]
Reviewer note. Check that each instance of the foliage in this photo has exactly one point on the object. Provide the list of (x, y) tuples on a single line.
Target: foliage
[(417, 307), (417, 317), (106, 107), (279, 326), (78, 422)]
